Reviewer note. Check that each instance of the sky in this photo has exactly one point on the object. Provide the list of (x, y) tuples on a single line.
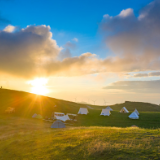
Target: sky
[(99, 52)]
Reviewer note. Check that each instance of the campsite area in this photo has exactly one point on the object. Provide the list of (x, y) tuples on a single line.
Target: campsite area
[(90, 137)]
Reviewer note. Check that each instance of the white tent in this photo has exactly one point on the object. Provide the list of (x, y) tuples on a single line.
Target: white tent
[(83, 111), (34, 116), (136, 111), (62, 118), (124, 110), (105, 112), (109, 108), (133, 115)]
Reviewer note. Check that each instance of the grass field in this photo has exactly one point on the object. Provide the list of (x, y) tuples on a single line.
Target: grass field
[(91, 137), (33, 139), (116, 119)]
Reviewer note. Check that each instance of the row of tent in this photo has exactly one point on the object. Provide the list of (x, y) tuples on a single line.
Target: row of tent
[(106, 112)]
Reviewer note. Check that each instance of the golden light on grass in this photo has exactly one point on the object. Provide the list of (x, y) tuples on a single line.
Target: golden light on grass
[(39, 86)]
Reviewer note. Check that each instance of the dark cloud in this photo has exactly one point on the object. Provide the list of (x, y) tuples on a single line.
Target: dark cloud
[(136, 86), (151, 74)]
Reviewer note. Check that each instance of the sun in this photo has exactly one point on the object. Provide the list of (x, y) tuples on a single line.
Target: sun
[(39, 86)]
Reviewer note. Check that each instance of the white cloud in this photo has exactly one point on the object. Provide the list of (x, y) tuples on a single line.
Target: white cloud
[(126, 13), (9, 28)]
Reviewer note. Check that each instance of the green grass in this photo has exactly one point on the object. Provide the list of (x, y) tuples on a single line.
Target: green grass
[(33, 139), (92, 137), (116, 119)]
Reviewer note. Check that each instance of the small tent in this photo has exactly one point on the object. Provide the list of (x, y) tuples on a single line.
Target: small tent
[(136, 111), (83, 111), (109, 108), (105, 112), (58, 124), (133, 115), (62, 118), (124, 110), (34, 116)]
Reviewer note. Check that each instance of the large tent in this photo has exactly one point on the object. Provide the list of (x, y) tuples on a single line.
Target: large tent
[(105, 112), (58, 124), (62, 118), (34, 116), (133, 115), (136, 111), (83, 111), (109, 108), (124, 110)]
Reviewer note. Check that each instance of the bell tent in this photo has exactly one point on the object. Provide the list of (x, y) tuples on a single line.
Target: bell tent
[(83, 111), (133, 115), (105, 112), (58, 124), (124, 110)]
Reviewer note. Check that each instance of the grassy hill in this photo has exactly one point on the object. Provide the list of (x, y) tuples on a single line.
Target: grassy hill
[(91, 137), (26, 104), (33, 139)]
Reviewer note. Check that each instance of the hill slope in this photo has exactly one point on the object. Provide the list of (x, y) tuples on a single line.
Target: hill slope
[(26, 104)]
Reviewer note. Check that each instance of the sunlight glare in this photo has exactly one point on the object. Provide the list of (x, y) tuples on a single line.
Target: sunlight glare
[(39, 86)]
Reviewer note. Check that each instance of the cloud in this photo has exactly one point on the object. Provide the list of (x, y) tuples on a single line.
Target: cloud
[(134, 40), (75, 39), (136, 86), (23, 53), (9, 28), (65, 53), (73, 66), (151, 74), (126, 13)]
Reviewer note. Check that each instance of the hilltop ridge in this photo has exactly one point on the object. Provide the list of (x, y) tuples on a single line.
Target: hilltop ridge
[(26, 104)]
